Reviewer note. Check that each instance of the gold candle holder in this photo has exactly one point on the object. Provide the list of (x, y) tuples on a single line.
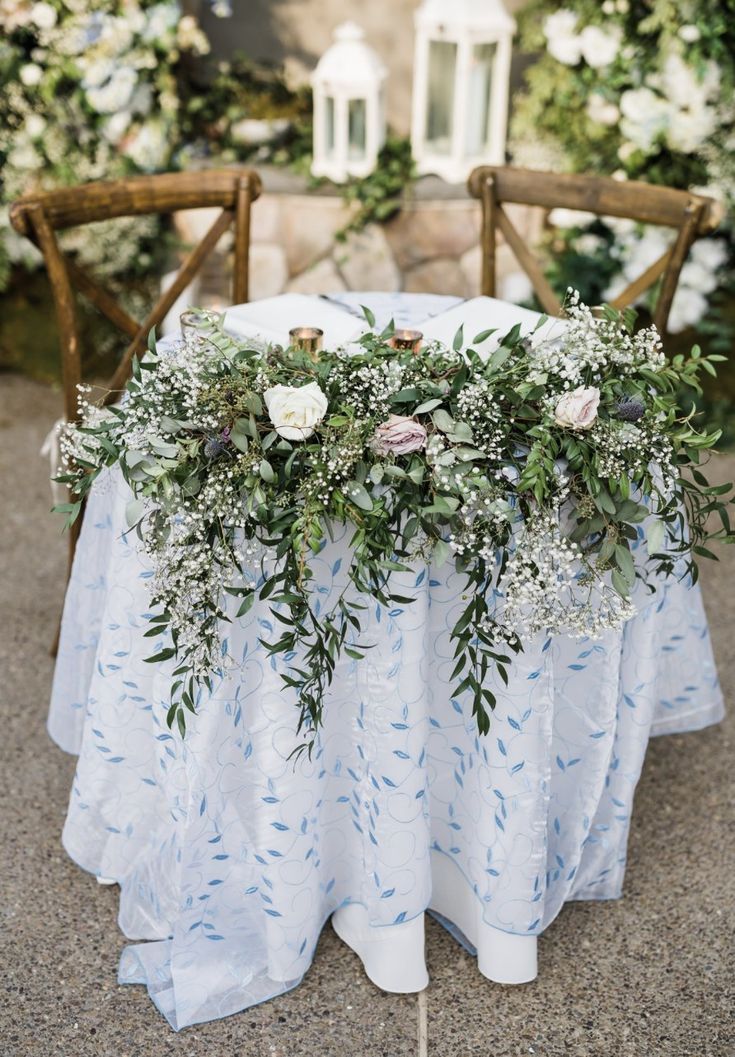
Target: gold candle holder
[(307, 339), (406, 339)]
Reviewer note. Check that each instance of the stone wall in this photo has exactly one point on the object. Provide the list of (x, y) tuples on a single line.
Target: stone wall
[(431, 246)]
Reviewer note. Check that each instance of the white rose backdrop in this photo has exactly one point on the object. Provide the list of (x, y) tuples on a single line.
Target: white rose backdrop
[(647, 91), (89, 91)]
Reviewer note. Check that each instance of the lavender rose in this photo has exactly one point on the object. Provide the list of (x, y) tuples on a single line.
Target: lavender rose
[(578, 409), (399, 436)]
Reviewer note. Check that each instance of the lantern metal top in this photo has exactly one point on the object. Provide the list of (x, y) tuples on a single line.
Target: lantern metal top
[(480, 15), (349, 62)]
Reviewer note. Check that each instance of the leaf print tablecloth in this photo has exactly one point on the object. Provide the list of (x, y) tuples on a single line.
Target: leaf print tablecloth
[(230, 857)]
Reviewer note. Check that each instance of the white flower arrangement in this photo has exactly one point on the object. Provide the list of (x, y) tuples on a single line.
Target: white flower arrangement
[(88, 91), (647, 95)]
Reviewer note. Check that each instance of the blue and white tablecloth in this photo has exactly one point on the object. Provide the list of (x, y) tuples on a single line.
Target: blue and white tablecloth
[(230, 857)]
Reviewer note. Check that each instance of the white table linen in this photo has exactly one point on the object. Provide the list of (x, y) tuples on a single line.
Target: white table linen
[(230, 858)]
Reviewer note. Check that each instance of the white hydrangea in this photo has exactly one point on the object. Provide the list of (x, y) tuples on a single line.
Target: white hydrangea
[(645, 116), (600, 46), (562, 41), (148, 147), (43, 15), (688, 307), (114, 94), (601, 111)]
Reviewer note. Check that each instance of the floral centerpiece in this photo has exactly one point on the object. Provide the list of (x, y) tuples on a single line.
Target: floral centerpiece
[(88, 91), (541, 470), (641, 89)]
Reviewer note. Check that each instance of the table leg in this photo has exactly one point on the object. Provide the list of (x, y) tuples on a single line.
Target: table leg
[(392, 955), (503, 957)]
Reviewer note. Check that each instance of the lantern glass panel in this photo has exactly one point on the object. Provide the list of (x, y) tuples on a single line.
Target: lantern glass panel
[(357, 128), (440, 101), (330, 138), (478, 101)]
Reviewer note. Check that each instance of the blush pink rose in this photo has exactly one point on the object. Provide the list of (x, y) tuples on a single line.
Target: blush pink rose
[(578, 409), (399, 436)]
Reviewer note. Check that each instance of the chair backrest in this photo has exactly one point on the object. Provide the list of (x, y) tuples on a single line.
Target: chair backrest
[(689, 214), (40, 216)]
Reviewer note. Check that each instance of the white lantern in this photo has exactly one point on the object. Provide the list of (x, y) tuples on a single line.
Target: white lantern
[(460, 88), (349, 107)]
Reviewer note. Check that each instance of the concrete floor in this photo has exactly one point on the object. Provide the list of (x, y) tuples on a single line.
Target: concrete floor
[(650, 974)]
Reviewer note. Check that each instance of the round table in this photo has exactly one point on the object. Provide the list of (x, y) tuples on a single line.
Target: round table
[(231, 857)]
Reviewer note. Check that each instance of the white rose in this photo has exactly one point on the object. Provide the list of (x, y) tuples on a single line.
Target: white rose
[(710, 253), (689, 87), (115, 127), (601, 111), (646, 116), (148, 147), (43, 15), (116, 94), (560, 24), (689, 34), (35, 125), (697, 277), (578, 409), (31, 74), (687, 309), (562, 42), (565, 49), (599, 48), (295, 411), (689, 129)]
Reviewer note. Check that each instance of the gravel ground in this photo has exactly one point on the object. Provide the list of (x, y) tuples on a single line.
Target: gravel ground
[(649, 974)]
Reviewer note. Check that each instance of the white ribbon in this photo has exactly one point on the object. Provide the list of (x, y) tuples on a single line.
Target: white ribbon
[(52, 450)]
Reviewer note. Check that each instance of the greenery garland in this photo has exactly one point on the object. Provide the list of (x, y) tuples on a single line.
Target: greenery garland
[(539, 468)]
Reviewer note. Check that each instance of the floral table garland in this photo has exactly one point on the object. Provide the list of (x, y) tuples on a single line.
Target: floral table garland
[(533, 468)]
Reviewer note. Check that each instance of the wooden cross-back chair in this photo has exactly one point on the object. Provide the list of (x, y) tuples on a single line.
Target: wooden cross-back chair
[(40, 216), (690, 215)]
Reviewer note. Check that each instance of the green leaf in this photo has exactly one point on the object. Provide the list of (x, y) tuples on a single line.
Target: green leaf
[(442, 552), (443, 420), (624, 559), (655, 532), (358, 494), (266, 471), (246, 605), (458, 338), (428, 405), (620, 584), (483, 336), (162, 655), (239, 440), (134, 512), (369, 316)]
